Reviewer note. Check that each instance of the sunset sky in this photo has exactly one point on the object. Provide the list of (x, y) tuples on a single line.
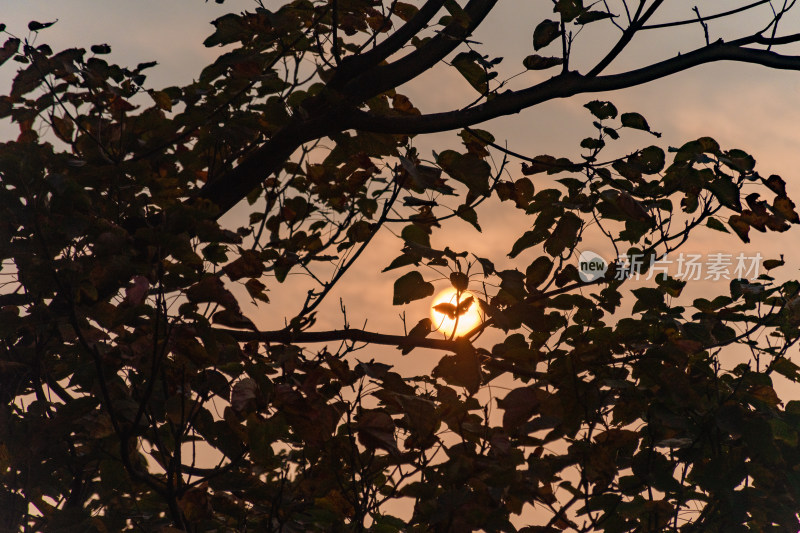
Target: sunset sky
[(743, 106)]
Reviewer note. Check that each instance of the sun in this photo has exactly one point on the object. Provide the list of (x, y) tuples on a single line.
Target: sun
[(470, 317)]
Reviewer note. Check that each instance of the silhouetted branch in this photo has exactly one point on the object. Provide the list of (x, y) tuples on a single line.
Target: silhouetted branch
[(571, 84), (355, 335), (420, 60), (355, 65), (704, 19)]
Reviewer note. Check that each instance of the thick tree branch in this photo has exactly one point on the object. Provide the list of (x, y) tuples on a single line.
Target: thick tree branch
[(412, 65), (333, 115), (571, 84), (229, 188), (354, 335), (355, 65), (626, 38)]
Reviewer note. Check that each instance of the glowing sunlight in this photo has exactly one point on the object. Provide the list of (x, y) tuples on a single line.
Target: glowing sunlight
[(445, 316)]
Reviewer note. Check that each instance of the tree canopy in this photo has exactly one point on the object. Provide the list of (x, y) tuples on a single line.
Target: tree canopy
[(130, 354)]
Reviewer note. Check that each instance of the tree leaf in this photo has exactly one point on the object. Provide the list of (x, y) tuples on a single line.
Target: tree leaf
[(459, 280), (136, 294), (100, 49), (564, 235), (775, 184), (421, 330), (591, 16), (245, 396), (547, 163), (211, 289), (715, 224), (468, 214), (248, 265), (590, 143), (233, 319), (545, 33), (411, 287), (63, 128), (162, 100), (9, 48), (36, 26), (486, 265), (635, 121), (739, 226), (376, 429), (785, 207), (415, 233), (405, 11), (518, 406), (425, 177), (649, 160), (569, 9), (461, 370), (537, 272), (738, 160), (229, 29), (726, 192), (537, 62), (469, 169), (467, 64), (464, 305), (446, 308), (256, 290)]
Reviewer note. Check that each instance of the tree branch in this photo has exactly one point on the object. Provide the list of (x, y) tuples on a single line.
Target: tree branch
[(355, 65), (626, 38), (412, 65), (704, 19), (228, 189), (355, 335), (571, 84)]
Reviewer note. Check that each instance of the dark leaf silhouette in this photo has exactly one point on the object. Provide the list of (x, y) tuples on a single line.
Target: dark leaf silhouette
[(411, 287)]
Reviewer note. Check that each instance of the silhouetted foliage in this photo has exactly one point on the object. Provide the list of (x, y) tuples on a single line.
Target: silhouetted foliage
[(126, 352)]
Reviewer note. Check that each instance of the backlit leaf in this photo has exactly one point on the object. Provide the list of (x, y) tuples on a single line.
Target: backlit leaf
[(411, 287), (635, 121), (785, 207), (569, 9), (9, 48), (466, 63), (468, 169), (461, 370), (459, 280), (537, 62), (713, 223), (601, 109), (376, 429), (591, 16), (545, 33), (741, 227), (564, 235), (36, 26)]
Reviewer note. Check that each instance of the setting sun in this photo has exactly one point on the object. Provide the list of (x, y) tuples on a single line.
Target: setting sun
[(446, 322)]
